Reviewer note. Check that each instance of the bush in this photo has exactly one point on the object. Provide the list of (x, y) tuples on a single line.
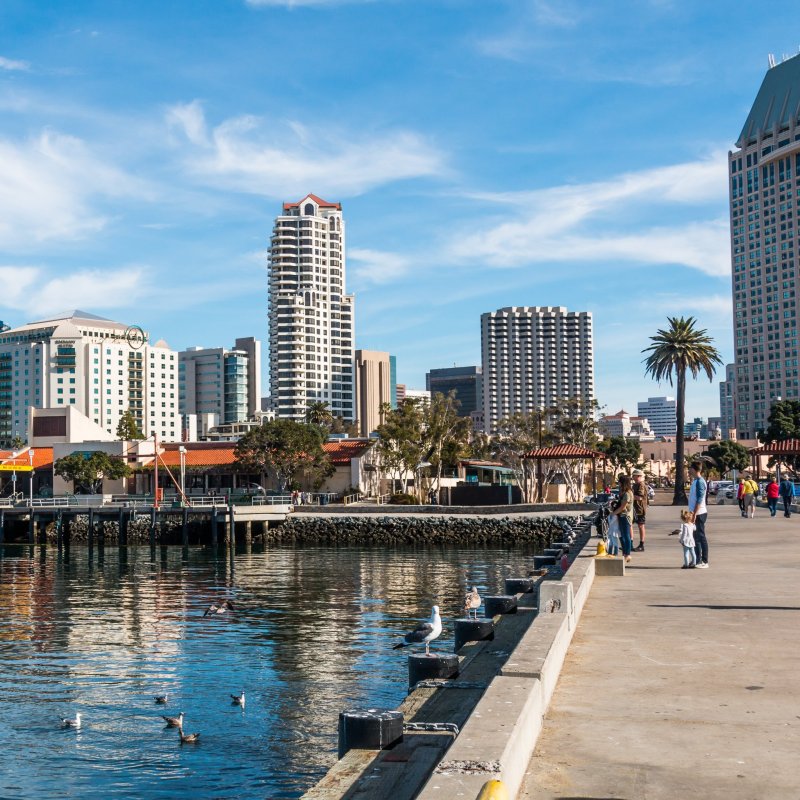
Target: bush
[(401, 499)]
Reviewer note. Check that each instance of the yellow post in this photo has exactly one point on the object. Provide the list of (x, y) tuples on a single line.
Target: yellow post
[(601, 549), (493, 790)]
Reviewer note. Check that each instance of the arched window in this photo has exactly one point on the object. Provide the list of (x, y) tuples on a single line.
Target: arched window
[(309, 210)]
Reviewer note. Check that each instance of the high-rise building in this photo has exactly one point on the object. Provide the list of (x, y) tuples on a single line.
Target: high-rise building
[(311, 326), (215, 382), (727, 401), (373, 388), (466, 382), (764, 180), (535, 357), (102, 368), (662, 414)]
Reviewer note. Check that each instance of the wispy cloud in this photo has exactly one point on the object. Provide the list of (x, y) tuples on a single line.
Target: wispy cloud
[(603, 222), (377, 266), (47, 185), (282, 160), (14, 66)]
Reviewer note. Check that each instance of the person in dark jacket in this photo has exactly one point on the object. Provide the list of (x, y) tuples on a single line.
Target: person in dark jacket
[(787, 495)]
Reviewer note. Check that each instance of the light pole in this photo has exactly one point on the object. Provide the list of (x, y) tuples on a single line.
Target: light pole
[(182, 452), (30, 458)]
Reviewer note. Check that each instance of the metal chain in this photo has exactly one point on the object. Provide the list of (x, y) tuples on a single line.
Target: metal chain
[(436, 727)]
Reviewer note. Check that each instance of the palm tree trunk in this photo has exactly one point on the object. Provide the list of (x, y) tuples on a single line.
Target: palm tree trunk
[(679, 497)]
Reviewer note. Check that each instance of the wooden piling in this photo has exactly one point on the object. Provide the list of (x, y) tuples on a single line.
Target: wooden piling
[(31, 527), (248, 532), (214, 527), (122, 523), (153, 527), (185, 527), (2, 526)]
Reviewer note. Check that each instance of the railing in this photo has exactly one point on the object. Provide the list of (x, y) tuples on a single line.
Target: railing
[(382, 499), (55, 502), (272, 500), (210, 501), (351, 498)]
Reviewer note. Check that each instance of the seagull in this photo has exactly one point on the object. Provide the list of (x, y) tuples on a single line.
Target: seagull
[(161, 699), (424, 633), (472, 602), (188, 738), (173, 722), (71, 723), (238, 699), (219, 609)]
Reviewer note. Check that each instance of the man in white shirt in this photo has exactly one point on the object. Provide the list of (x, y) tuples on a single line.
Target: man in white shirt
[(699, 511)]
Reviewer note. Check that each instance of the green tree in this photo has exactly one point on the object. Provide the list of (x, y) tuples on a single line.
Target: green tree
[(128, 430), (515, 437), (783, 423), (729, 455), (319, 413), (401, 439), (88, 470), (674, 350), (292, 451), (445, 432), (623, 454), (17, 443)]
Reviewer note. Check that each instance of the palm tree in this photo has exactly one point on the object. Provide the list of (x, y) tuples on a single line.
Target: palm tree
[(319, 413), (674, 350)]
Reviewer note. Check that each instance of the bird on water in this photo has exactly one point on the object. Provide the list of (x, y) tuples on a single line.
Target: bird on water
[(161, 699), (173, 722), (71, 723), (224, 606), (424, 633), (472, 602), (188, 738), (238, 699)]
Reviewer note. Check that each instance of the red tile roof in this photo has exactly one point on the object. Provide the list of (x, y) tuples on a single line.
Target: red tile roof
[(342, 451), (42, 457), (198, 454), (787, 447), (318, 200), (564, 451)]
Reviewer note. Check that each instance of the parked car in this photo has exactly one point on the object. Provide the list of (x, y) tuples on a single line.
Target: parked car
[(601, 498), (715, 487)]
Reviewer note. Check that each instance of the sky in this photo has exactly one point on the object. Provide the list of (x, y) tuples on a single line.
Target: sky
[(515, 152)]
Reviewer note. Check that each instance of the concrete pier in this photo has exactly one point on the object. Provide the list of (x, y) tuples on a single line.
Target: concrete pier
[(683, 683)]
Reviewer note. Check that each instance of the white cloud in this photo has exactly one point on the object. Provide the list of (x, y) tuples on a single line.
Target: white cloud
[(31, 290), (376, 266), (47, 185), (280, 161), (12, 65), (602, 222)]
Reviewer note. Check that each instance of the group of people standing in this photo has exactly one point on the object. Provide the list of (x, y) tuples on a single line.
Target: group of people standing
[(747, 493), (630, 509)]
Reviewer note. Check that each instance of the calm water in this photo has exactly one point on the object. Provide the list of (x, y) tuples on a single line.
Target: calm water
[(311, 635)]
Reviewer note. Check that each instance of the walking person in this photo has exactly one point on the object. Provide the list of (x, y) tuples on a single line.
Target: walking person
[(740, 496), (699, 512), (787, 495), (750, 489), (773, 492), (640, 503), (686, 538), (624, 514)]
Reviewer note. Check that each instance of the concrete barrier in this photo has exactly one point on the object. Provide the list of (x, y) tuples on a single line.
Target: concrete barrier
[(556, 598), (609, 566)]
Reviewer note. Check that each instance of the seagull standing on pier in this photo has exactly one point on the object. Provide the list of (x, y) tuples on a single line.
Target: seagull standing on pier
[(424, 633), (472, 602)]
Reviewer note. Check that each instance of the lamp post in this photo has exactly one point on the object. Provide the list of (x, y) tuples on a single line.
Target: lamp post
[(30, 458), (182, 452)]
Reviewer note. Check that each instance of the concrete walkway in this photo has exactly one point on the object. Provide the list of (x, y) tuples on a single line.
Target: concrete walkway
[(683, 683)]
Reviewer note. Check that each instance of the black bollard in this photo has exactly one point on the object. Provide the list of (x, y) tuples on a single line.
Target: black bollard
[(553, 551), (500, 604), (543, 561), (472, 630), (520, 585), (372, 729), (435, 666), (563, 545)]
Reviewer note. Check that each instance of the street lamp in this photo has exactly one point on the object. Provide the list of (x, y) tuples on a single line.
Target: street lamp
[(30, 458), (182, 452)]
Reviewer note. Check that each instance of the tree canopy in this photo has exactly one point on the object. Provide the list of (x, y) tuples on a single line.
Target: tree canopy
[(127, 429), (783, 423), (729, 455), (88, 470), (292, 451), (624, 454), (673, 351)]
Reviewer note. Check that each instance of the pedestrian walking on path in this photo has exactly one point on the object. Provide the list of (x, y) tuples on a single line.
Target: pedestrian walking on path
[(773, 492), (787, 495), (640, 503), (624, 514), (686, 538), (750, 488), (740, 496), (699, 512)]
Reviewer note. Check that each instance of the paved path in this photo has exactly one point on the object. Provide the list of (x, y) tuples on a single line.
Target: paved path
[(683, 683)]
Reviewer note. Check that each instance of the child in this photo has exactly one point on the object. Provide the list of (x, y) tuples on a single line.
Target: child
[(686, 538), (612, 548)]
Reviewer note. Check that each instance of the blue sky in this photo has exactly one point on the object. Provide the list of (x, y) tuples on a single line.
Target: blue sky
[(517, 152)]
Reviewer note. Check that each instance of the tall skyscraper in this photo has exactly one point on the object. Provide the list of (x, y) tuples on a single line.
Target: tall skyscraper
[(662, 414), (373, 388), (311, 325), (465, 381), (727, 402), (534, 357), (102, 368), (219, 383), (764, 179)]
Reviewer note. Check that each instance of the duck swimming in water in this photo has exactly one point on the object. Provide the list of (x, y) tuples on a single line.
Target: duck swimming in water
[(71, 723), (238, 699), (188, 738), (173, 722)]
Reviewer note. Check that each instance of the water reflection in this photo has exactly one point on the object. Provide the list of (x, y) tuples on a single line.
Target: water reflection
[(311, 635)]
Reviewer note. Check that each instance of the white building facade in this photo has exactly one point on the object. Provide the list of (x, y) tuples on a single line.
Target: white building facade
[(102, 368), (311, 317), (534, 357), (662, 414)]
